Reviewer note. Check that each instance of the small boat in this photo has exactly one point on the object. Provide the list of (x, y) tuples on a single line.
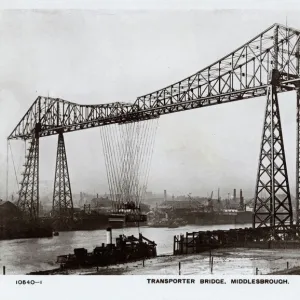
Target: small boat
[(55, 233), (173, 225)]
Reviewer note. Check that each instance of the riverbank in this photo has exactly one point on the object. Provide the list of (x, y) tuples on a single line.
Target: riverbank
[(41, 254), (225, 262), (292, 271)]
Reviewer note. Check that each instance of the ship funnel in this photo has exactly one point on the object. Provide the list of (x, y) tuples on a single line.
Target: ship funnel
[(108, 236)]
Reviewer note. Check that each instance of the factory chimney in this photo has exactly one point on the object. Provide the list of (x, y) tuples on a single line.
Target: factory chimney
[(234, 194), (165, 195), (108, 236), (241, 200)]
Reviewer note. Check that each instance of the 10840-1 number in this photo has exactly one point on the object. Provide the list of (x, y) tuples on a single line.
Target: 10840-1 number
[(28, 282)]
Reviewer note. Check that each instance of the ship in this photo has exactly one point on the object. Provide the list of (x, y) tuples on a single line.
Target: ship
[(92, 221), (126, 249), (205, 211), (22, 229), (167, 223), (218, 218), (13, 225)]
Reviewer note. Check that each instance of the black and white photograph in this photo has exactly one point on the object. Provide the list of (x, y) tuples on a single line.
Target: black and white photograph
[(149, 142)]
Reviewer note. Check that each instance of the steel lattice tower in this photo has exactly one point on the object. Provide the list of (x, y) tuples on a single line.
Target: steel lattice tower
[(298, 139), (28, 201), (272, 197), (62, 195), (298, 160)]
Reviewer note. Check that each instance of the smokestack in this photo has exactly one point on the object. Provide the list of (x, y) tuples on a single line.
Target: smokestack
[(241, 200), (165, 195), (108, 236), (97, 196), (234, 194)]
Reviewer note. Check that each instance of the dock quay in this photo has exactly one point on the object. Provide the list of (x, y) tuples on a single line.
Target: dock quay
[(277, 237)]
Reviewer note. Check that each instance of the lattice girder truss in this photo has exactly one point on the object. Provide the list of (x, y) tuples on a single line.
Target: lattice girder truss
[(242, 74)]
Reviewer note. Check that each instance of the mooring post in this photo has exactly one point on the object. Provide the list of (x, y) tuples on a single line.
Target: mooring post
[(287, 264), (186, 242), (179, 268), (3, 270), (174, 243)]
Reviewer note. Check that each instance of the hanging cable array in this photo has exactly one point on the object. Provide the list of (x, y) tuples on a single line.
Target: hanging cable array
[(16, 170), (128, 150)]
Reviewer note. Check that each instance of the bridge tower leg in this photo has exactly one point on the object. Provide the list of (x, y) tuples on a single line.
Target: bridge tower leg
[(298, 160), (62, 195), (297, 217), (28, 201), (272, 196)]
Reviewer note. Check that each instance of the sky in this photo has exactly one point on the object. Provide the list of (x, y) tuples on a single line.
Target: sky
[(93, 57)]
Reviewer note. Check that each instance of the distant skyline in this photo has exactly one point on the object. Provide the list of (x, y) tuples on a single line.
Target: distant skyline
[(92, 57)]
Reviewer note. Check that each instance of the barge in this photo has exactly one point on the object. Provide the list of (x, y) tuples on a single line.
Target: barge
[(126, 249)]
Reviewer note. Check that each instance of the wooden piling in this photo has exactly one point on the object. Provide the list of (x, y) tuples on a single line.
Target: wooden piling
[(212, 264), (179, 265), (256, 271), (194, 244), (3, 270), (186, 242), (174, 245)]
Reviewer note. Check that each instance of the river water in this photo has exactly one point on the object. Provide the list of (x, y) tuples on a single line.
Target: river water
[(27, 255)]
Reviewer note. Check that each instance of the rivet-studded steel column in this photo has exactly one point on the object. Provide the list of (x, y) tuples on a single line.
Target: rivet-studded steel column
[(28, 201), (272, 196), (62, 206)]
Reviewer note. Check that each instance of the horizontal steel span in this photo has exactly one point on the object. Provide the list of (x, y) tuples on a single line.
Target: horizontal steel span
[(242, 74)]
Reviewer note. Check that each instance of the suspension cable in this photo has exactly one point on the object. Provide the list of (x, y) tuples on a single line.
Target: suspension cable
[(13, 161), (128, 150), (7, 170)]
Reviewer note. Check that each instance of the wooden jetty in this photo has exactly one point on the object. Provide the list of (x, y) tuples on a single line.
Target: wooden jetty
[(263, 237)]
